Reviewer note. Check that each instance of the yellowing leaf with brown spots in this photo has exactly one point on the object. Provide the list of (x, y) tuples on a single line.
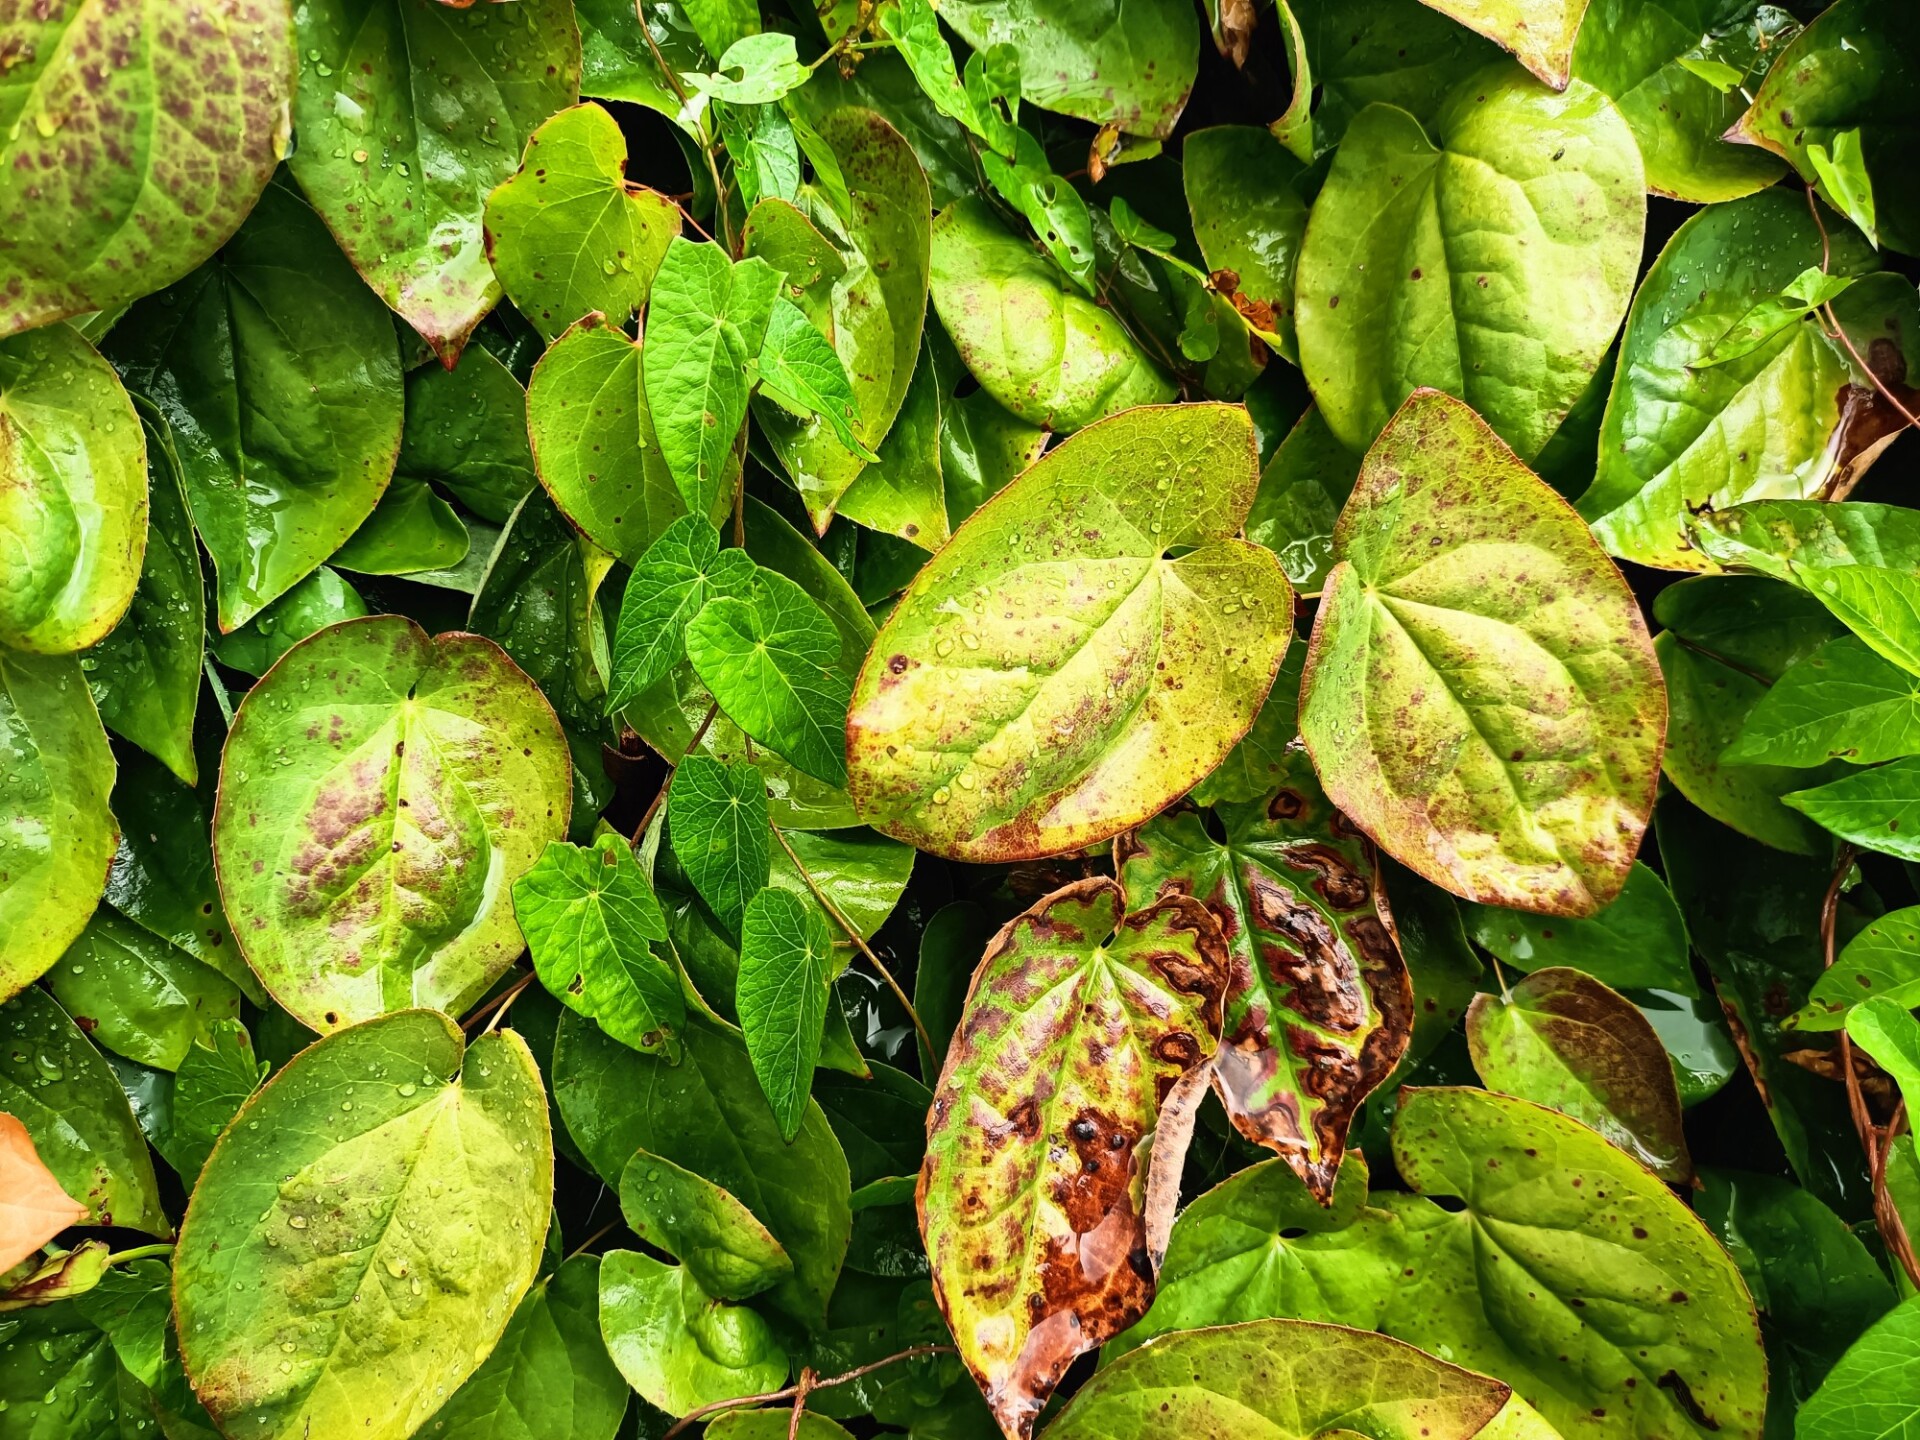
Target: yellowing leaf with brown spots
[(1087, 647), (1480, 694), (1318, 1003), (380, 792), (1058, 1130)]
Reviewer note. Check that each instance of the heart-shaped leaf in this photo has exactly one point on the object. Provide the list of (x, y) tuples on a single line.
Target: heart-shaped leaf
[(138, 996), (786, 965), (1540, 33), (90, 216), (1318, 1004), (591, 920), (73, 493), (568, 235), (1040, 680), (59, 840), (726, 1250), (403, 183), (1427, 264), (1058, 1130), (677, 1345), (718, 819), (389, 1161), (380, 792), (279, 381), (1480, 694)]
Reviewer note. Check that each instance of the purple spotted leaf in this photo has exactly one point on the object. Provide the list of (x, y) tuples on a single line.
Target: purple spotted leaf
[(1058, 1131), (1318, 1003), (380, 792)]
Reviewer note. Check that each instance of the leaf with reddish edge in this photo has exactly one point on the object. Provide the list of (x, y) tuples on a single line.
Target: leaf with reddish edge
[(1480, 694), (1319, 1004), (1058, 1130)]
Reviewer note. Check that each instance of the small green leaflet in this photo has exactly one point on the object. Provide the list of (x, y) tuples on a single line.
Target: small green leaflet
[(590, 919), (677, 1345), (1808, 290), (1878, 809), (726, 1249), (1886, 1030), (772, 661), (706, 320), (799, 370), (1882, 960), (679, 573), (717, 818), (768, 67), (786, 962)]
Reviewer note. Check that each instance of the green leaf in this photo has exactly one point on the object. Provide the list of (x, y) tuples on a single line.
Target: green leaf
[(1754, 914), (410, 530), (1393, 52), (1855, 70), (864, 874), (800, 371), (599, 454), (568, 235), (1843, 702), (590, 916), (1680, 438), (73, 492), (1876, 809), (1562, 1039), (618, 63), (786, 963), (1665, 1332), (705, 323), (1030, 738), (1311, 1025), (466, 431), (1540, 33), (321, 599), (1727, 641), (145, 675), (1425, 264), (1843, 176), (391, 1161), (1874, 1390), (377, 858), (539, 600), (1878, 603), (771, 660), (707, 1115), (1479, 693), (1807, 291), (1677, 72), (1036, 345), (279, 381), (136, 994), (1788, 538), (1882, 960), (59, 837), (1261, 1244), (1285, 1380), (55, 1083), (868, 296), (728, 1253), (768, 65), (117, 178), (1302, 491), (1638, 942), (403, 182), (1128, 64), (1244, 193), (675, 1344), (1085, 1027), (550, 1377), (717, 815), (774, 1425), (676, 576), (903, 492), (215, 1077)]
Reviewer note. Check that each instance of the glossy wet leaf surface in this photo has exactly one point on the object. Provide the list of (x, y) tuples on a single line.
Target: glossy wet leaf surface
[(728, 1253), (390, 1161), (1028, 680), (676, 1345), (786, 961), (138, 996), (1083, 1034), (1318, 1004), (379, 861), (1533, 791), (1638, 942)]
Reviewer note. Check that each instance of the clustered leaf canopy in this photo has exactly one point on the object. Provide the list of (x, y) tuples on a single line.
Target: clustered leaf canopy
[(1092, 720)]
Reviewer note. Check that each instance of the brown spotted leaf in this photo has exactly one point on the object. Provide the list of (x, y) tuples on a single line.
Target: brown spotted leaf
[(1480, 695), (1318, 1004), (1058, 1129)]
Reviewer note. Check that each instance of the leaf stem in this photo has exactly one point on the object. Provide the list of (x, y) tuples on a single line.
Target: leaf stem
[(1836, 332), (789, 1392), (859, 940), (496, 1003), (580, 1249), (140, 1252)]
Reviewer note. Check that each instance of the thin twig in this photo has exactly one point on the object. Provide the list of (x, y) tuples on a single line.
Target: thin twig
[(581, 1247), (768, 1397), (807, 1381), (660, 795), (505, 1002), (859, 940), (1836, 331)]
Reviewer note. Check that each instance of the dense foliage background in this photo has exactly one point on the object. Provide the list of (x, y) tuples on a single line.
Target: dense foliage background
[(1072, 716)]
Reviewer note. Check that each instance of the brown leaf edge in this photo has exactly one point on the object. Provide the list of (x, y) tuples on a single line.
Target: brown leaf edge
[(1098, 1307)]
